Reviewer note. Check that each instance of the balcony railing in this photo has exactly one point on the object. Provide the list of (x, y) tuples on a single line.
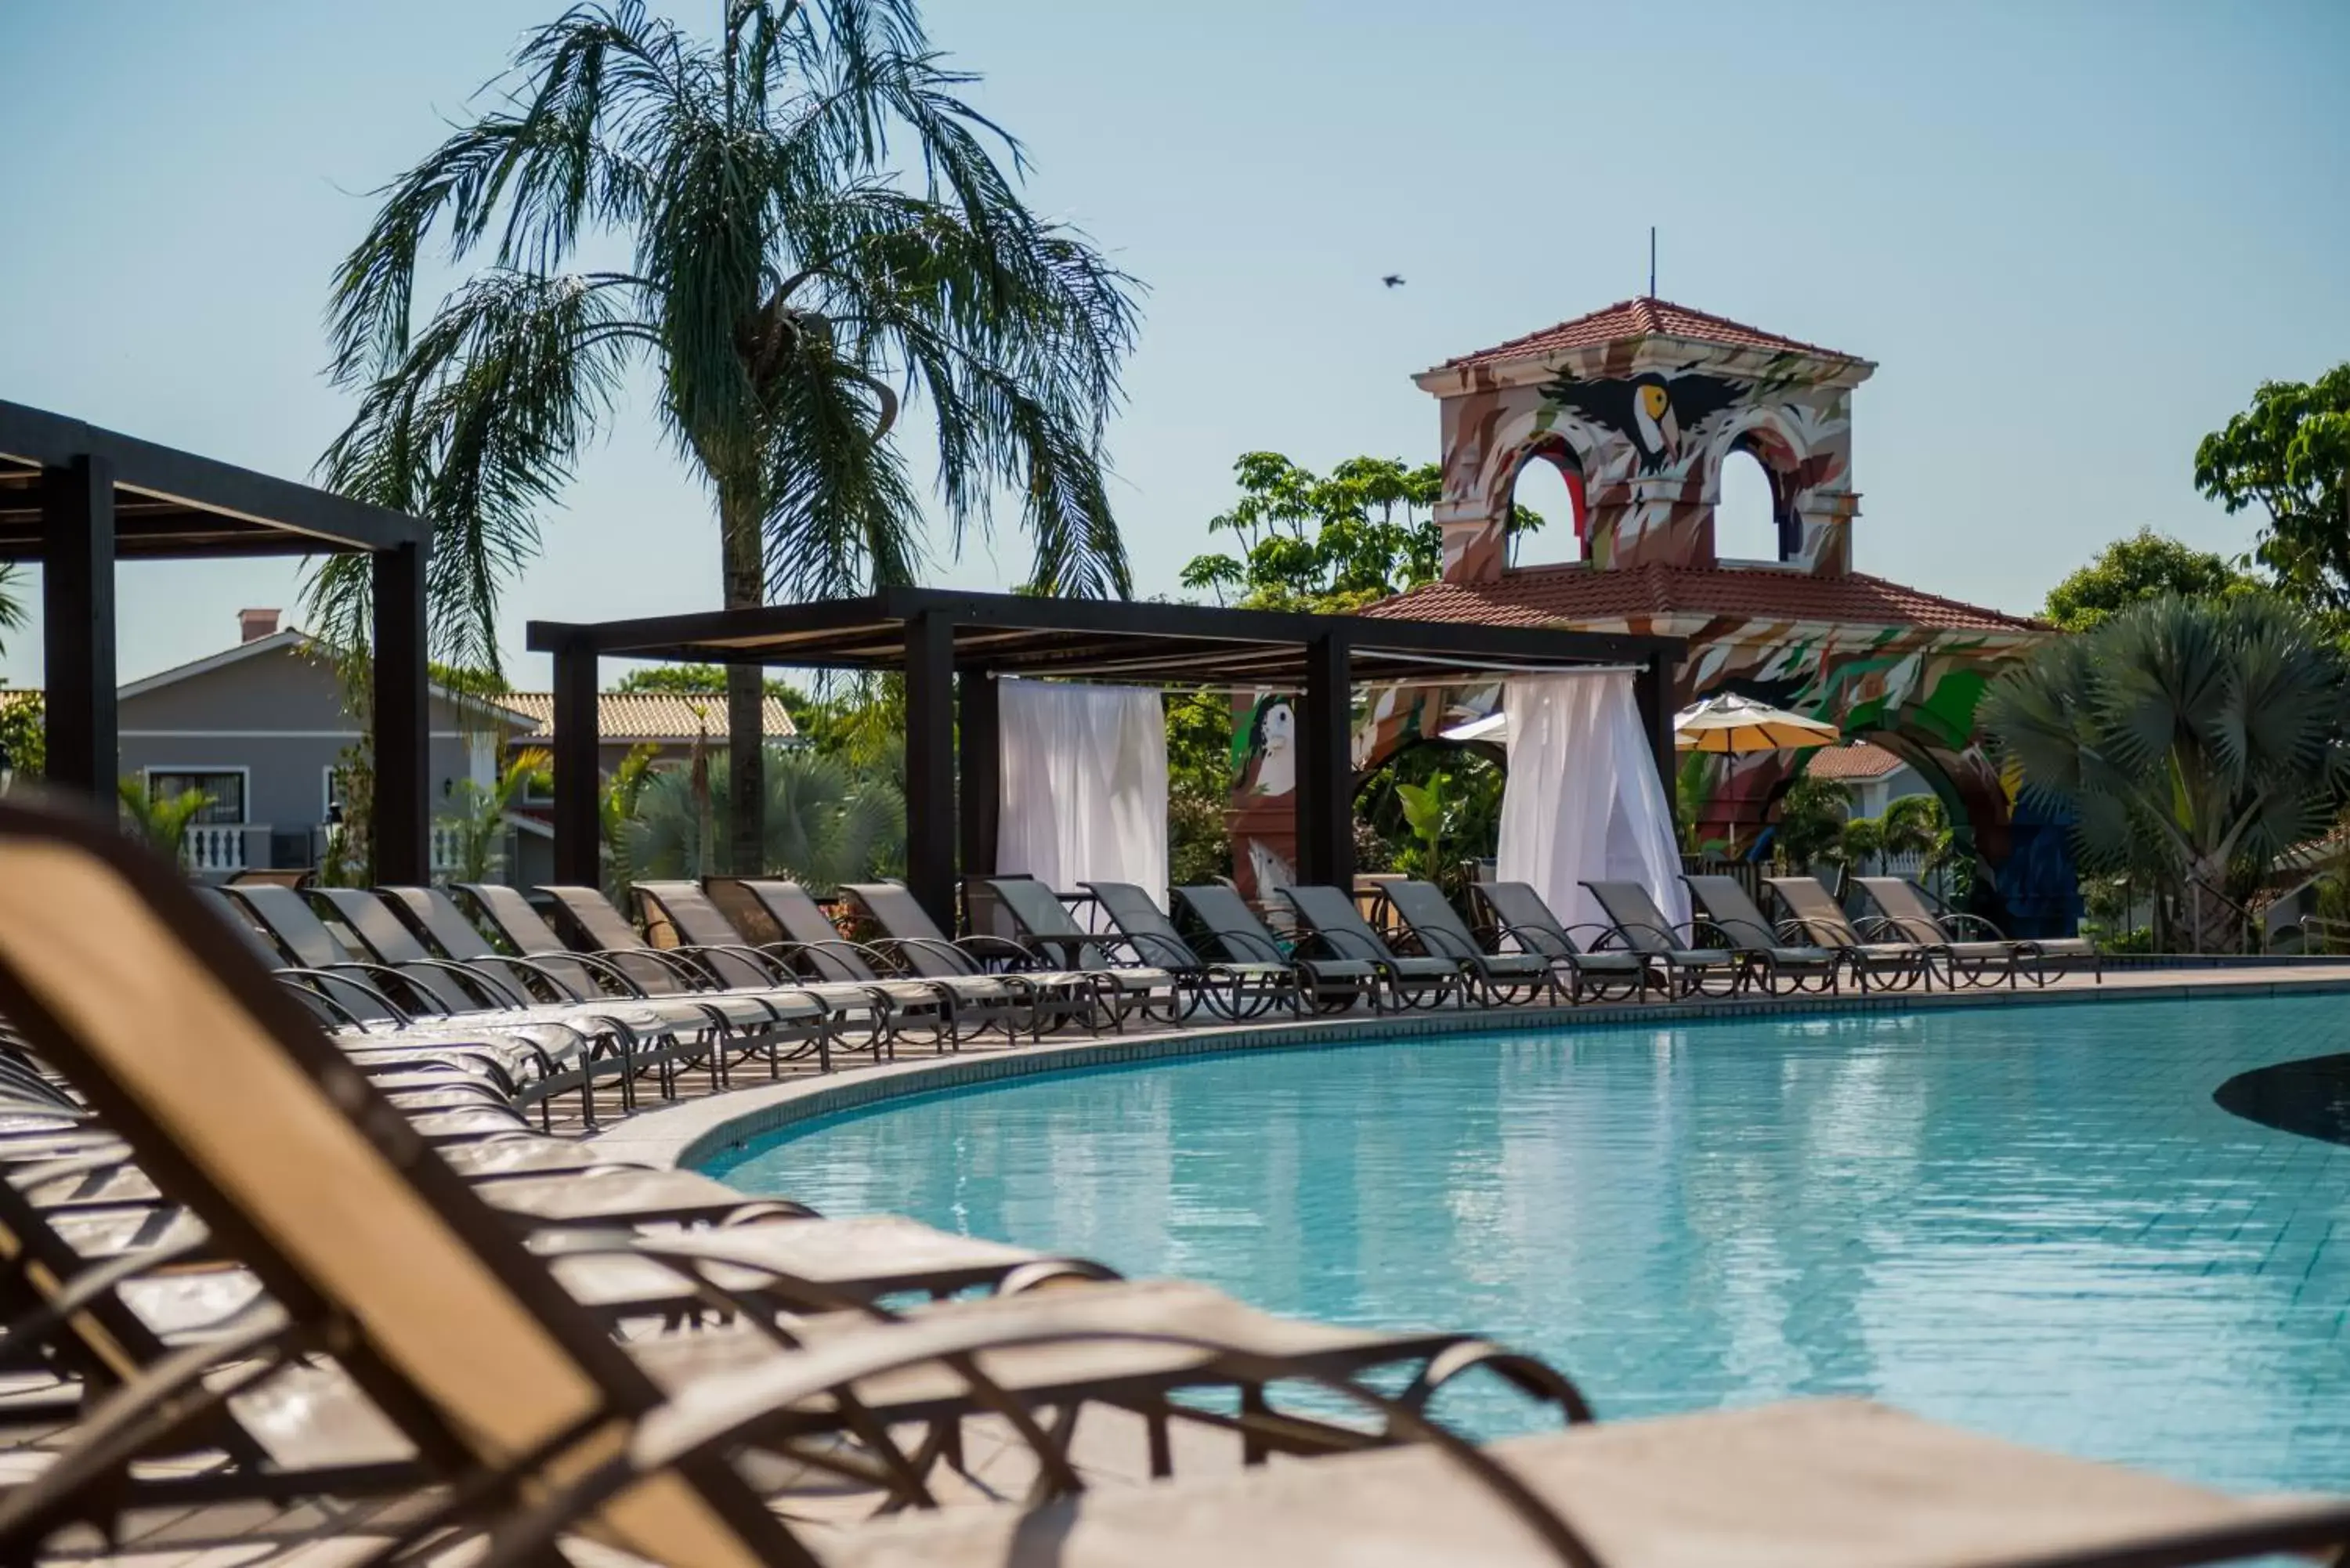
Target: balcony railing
[(218, 848)]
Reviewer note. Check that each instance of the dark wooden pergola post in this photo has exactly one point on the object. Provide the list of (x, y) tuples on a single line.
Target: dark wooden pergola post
[(929, 764), (1325, 793), (578, 860), (1652, 690), (78, 625), (402, 832), (979, 768)]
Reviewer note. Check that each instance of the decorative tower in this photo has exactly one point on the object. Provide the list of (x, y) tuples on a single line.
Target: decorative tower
[(1638, 406)]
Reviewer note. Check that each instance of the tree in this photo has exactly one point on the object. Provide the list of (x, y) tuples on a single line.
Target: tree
[(480, 817), (2289, 454), (826, 822), (163, 824), (1327, 545), (1810, 824), (816, 230), (11, 609), (2213, 729), (24, 733), (2130, 571)]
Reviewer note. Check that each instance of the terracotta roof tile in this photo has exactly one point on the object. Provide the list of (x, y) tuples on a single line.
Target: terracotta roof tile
[(1637, 318), (647, 716), (1859, 761), (1540, 596)]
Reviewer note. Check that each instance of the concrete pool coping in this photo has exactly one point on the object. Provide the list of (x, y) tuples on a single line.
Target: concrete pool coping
[(689, 1134)]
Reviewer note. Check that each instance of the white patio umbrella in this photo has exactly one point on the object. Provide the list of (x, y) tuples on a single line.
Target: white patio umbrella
[(1733, 723)]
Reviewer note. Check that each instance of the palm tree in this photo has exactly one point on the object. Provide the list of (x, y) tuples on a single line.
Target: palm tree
[(818, 229), (826, 820), (480, 817), (163, 824), (11, 609), (2214, 729)]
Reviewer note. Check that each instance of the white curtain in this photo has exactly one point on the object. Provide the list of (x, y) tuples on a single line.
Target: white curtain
[(1084, 785), (1583, 802)]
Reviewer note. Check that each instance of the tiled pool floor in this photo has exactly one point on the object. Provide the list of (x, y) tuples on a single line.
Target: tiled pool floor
[(2031, 1220)]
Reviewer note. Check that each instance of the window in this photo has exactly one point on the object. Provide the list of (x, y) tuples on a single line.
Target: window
[(226, 791)]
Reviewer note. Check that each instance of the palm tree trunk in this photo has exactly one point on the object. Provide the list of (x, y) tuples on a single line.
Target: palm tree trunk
[(745, 588)]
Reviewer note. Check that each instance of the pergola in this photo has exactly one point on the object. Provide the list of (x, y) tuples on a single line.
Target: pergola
[(935, 634), (79, 499)]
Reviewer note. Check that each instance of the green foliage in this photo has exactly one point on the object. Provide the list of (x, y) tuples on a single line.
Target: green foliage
[(163, 824), (12, 605), (1432, 809), (24, 733), (1327, 545), (2130, 571), (818, 229), (466, 682), (2207, 735), (2289, 454), (827, 821), (1811, 826), (480, 814), (1699, 781), (616, 816), (1199, 787)]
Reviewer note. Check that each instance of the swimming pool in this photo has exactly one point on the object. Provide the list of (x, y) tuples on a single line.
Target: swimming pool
[(2031, 1220)]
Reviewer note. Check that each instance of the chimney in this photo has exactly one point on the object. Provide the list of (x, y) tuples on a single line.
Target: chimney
[(253, 624)]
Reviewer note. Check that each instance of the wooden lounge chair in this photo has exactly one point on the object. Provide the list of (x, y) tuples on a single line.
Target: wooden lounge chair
[(539, 1422), (1516, 916), (1046, 925), (1237, 989), (1814, 912), (1504, 978), (1331, 983), (1337, 927), (1799, 966), (809, 940), (912, 938), (1974, 944), (1689, 969)]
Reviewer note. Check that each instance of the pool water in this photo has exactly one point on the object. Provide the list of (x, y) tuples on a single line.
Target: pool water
[(2033, 1220)]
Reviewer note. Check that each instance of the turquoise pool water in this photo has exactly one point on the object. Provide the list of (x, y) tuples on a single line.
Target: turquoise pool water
[(2034, 1220)]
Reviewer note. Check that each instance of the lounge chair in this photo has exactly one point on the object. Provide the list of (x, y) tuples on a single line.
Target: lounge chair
[(1332, 984), (699, 924), (1045, 924), (1974, 944), (1639, 925), (751, 1014), (1516, 915), (505, 1394), (1814, 912), (1505, 978), (1801, 966), (482, 1377), (812, 942), (1335, 925), (1234, 988), (912, 938)]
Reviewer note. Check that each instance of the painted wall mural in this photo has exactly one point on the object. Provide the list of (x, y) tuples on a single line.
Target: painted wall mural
[(1643, 427)]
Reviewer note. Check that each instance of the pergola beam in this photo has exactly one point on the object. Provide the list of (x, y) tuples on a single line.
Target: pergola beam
[(77, 626)]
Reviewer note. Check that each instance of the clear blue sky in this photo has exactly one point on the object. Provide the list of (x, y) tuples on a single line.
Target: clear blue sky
[(2074, 235)]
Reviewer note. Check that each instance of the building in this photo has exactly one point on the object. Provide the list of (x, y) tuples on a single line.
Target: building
[(263, 728), (1642, 407), (1876, 778)]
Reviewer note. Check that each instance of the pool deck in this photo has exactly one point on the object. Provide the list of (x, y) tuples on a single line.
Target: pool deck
[(690, 1133)]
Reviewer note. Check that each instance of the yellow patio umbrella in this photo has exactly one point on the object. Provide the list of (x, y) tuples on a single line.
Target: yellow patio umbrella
[(1733, 723)]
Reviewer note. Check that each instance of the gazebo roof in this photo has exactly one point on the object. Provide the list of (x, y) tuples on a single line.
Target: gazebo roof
[(171, 503), (1101, 639), (1642, 317), (1576, 592)]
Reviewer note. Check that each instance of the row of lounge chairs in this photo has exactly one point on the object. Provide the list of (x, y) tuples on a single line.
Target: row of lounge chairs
[(267, 1294), (752, 971)]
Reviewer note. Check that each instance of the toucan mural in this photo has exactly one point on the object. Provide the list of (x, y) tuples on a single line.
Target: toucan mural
[(1657, 413)]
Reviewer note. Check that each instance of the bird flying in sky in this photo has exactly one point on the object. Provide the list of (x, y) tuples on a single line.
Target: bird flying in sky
[(1393, 280)]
